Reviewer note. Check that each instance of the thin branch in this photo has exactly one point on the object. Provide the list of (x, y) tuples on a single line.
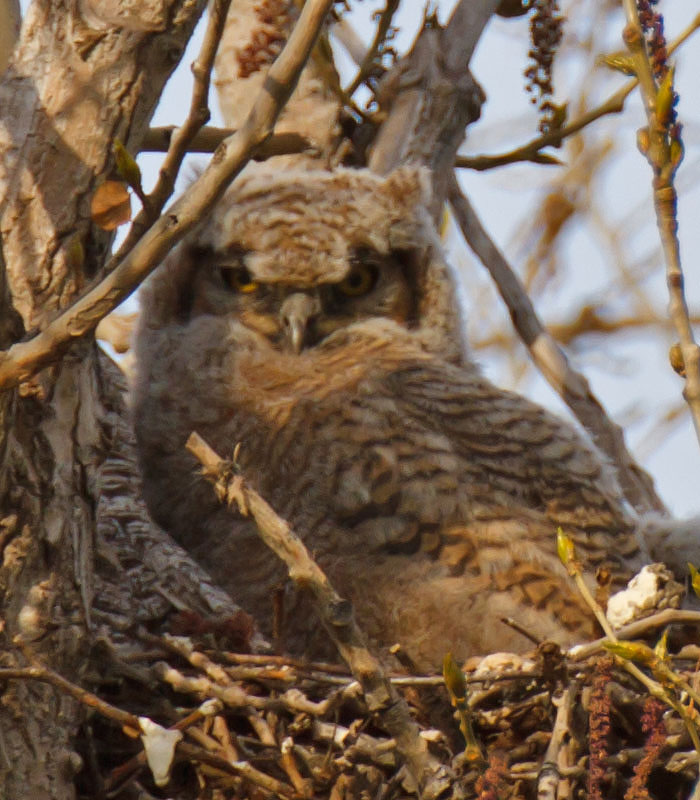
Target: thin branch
[(238, 768), (551, 359), (638, 629), (38, 672), (22, 360), (548, 781), (588, 321), (365, 70), (207, 139), (336, 613), (660, 143), (532, 150), (178, 145)]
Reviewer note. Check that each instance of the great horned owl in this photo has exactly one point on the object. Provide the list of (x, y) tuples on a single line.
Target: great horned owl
[(314, 321)]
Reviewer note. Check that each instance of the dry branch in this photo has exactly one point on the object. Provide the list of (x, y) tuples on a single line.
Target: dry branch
[(532, 151), (207, 139), (367, 63), (22, 360), (551, 359), (337, 616), (660, 143), (179, 143)]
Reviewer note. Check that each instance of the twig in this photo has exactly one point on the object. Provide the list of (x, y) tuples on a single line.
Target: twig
[(532, 150), (635, 630), (551, 359), (238, 768), (551, 770), (660, 143), (336, 614), (39, 672), (385, 18), (208, 138), (197, 116), (22, 360)]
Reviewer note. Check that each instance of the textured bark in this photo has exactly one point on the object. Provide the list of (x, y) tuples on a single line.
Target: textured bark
[(80, 558), (431, 97), (75, 82), (72, 86), (313, 109)]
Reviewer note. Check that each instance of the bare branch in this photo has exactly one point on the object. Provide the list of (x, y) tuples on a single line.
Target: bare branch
[(383, 26), (554, 764), (38, 672), (660, 143), (179, 141), (207, 139), (336, 613), (551, 359), (23, 359), (532, 150)]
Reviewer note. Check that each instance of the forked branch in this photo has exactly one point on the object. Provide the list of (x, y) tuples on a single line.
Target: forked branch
[(336, 614), (23, 359)]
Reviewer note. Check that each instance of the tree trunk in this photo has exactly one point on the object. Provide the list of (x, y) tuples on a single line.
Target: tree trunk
[(73, 85)]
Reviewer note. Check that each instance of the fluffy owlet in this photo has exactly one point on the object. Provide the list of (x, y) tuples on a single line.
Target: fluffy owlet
[(313, 320)]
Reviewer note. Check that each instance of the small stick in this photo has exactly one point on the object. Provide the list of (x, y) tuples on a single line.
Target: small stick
[(337, 616)]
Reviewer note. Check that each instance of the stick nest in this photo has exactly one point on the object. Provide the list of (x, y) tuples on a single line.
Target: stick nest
[(547, 725)]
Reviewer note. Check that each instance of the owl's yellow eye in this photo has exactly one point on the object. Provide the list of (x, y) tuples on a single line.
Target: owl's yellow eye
[(359, 281), (238, 279)]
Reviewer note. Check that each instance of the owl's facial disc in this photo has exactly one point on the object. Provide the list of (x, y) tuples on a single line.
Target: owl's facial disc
[(296, 317)]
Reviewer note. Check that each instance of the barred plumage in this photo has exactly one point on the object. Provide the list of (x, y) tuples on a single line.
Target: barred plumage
[(313, 320)]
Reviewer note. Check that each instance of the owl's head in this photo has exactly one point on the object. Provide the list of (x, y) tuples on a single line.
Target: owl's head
[(300, 256)]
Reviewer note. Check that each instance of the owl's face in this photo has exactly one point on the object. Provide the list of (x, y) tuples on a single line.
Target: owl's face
[(295, 316), (300, 257)]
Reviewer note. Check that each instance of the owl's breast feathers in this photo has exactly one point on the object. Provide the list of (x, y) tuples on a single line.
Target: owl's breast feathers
[(428, 457)]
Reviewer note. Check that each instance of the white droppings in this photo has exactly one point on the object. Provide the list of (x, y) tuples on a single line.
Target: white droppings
[(159, 744)]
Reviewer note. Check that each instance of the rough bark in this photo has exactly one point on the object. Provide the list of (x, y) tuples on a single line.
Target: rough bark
[(312, 111), (82, 74), (431, 97)]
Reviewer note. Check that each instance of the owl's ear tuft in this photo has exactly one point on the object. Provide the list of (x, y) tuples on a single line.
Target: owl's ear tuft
[(409, 186)]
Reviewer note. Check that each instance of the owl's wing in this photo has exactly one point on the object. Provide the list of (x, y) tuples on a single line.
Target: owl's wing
[(449, 461)]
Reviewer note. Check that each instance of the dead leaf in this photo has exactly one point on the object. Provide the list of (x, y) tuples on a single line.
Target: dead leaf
[(111, 205)]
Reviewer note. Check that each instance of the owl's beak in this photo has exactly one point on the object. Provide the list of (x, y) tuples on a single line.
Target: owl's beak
[(296, 312)]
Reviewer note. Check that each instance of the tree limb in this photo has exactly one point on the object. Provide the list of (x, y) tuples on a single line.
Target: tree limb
[(337, 616), (208, 138), (23, 359), (551, 359)]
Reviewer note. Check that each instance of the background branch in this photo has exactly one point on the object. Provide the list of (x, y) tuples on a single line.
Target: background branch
[(208, 138), (532, 150), (551, 359), (23, 359)]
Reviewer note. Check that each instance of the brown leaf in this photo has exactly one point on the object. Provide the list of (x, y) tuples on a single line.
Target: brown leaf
[(111, 205)]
